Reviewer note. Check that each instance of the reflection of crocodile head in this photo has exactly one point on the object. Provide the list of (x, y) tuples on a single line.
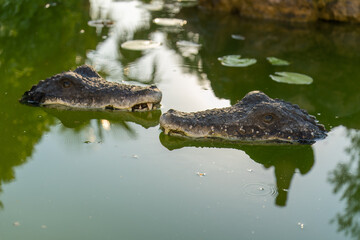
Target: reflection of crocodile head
[(286, 159), (85, 88), (255, 118), (78, 119)]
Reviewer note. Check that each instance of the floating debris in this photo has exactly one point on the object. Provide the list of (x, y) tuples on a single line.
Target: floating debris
[(87, 142), (236, 61), (169, 22), (250, 170), (201, 174), (291, 78), (135, 156), (237, 37), (82, 31), (140, 45), (277, 61), (259, 189), (184, 43), (101, 23), (301, 225), (16, 224), (50, 5), (43, 226)]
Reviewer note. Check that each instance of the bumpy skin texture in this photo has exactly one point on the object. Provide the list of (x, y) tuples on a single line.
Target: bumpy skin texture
[(85, 88), (256, 117)]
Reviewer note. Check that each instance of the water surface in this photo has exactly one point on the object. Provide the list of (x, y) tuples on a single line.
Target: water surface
[(103, 175)]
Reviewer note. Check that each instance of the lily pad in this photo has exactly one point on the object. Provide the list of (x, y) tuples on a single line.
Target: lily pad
[(277, 61), (170, 22), (236, 61), (291, 78), (140, 45), (183, 43)]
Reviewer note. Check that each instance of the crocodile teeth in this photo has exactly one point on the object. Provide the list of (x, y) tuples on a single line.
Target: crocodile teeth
[(150, 106), (166, 131)]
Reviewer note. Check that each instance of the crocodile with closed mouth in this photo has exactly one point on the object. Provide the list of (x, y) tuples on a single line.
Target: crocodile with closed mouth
[(256, 118)]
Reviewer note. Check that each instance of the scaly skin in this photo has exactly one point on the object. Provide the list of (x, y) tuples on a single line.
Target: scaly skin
[(84, 88), (256, 117)]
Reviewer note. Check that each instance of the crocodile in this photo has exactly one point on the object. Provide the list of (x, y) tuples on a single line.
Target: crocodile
[(255, 118), (84, 88)]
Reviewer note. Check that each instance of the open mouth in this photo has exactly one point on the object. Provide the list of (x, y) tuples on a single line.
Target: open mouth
[(143, 107), (173, 132), (137, 107)]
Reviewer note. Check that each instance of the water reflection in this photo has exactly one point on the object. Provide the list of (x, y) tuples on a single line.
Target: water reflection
[(179, 70), (346, 181), (79, 120), (327, 56), (191, 79), (29, 53), (127, 19), (331, 47), (286, 159)]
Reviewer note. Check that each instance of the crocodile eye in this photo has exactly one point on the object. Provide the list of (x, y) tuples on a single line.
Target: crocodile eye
[(66, 83), (268, 118)]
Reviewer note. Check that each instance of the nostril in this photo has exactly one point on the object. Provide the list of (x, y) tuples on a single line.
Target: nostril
[(33, 87), (153, 87)]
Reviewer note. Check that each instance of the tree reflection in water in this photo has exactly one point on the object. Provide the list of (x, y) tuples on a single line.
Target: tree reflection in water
[(31, 49), (346, 181)]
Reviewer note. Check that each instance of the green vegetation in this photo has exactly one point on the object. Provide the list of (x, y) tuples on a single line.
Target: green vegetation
[(277, 61), (291, 78), (236, 61)]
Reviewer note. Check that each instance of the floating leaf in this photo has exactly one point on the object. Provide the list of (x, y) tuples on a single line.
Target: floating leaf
[(277, 61), (140, 45), (170, 22), (201, 174), (291, 78), (184, 43), (237, 37), (236, 61)]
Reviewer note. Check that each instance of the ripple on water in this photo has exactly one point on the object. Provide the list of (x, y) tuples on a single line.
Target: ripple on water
[(259, 189)]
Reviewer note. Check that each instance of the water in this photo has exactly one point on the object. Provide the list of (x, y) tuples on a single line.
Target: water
[(88, 175)]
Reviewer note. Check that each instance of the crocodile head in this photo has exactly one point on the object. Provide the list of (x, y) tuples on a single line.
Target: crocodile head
[(85, 88), (256, 117)]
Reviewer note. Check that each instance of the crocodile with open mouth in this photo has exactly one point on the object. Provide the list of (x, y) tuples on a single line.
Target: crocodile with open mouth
[(84, 88), (256, 118)]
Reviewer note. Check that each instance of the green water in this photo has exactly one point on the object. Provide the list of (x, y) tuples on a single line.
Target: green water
[(88, 175)]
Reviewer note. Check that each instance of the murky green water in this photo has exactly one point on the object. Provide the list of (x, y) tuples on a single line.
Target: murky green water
[(88, 175)]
